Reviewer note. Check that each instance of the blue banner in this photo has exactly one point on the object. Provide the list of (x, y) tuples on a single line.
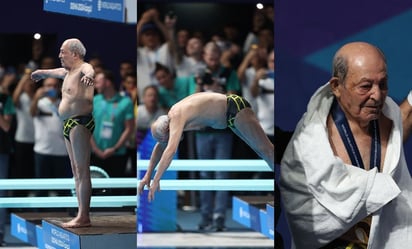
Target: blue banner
[(111, 10), (59, 238)]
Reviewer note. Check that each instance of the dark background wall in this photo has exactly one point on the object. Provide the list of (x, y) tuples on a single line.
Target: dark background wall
[(208, 18), (19, 20)]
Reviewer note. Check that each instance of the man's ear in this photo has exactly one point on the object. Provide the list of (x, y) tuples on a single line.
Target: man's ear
[(334, 85)]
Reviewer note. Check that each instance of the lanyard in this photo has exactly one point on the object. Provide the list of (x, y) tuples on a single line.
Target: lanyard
[(109, 111), (349, 141)]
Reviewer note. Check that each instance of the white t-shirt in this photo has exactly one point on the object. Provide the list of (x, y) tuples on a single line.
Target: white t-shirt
[(48, 129), (247, 82), (146, 62), (189, 67), (25, 126), (266, 106)]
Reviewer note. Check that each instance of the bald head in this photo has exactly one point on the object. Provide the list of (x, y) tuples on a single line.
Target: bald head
[(76, 46), (160, 129), (360, 82), (355, 54)]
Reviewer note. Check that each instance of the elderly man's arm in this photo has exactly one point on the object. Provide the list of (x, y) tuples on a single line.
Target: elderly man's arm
[(175, 134), (154, 159), (40, 74), (406, 110), (88, 74)]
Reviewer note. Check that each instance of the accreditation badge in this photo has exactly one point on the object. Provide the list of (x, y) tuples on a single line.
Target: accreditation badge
[(107, 130)]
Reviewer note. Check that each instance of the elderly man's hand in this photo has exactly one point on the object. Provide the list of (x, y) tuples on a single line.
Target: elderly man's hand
[(144, 182), (152, 189), (86, 80)]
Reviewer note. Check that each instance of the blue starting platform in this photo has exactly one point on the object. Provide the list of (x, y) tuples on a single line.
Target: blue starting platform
[(44, 231), (255, 212)]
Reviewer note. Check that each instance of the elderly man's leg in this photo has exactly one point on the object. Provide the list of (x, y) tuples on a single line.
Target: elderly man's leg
[(248, 128), (79, 151)]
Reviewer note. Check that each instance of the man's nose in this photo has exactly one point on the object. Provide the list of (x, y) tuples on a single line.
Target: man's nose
[(376, 93)]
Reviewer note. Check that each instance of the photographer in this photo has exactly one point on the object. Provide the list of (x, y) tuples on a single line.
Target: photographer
[(212, 143), (216, 77)]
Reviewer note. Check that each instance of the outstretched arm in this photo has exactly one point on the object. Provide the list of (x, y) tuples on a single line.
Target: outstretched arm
[(40, 74), (175, 132), (406, 110), (154, 160)]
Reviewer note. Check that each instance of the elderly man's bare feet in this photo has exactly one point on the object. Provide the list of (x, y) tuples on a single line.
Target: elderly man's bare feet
[(76, 223)]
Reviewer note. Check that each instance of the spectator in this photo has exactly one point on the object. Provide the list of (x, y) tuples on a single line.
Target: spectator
[(7, 112), (229, 42), (265, 37), (192, 62), (36, 55), (130, 90), (172, 89), (24, 137), (183, 37), (51, 158), (47, 62), (263, 88), (251, 63), (153, 38), (126, 68), (259, 19), (214, 143), (129, 85), (148, 112), (97, 64), (114, 121)]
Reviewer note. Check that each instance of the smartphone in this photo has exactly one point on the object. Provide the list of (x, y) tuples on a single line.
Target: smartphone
[(51, 93), (270, 75)]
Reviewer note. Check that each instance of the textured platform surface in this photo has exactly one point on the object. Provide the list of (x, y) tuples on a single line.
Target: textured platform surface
[(101, 224)]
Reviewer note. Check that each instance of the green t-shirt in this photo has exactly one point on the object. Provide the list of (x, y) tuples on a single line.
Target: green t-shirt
[(6, 108), (110, 116), (183, 87)]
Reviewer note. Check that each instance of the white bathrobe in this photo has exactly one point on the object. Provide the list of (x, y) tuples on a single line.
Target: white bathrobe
[(323, 197)]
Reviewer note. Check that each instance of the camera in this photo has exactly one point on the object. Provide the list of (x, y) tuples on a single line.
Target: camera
[(205, 77)]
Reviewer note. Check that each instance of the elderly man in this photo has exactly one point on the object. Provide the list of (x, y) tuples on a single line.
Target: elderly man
[(344, 179), (198, 110), (75, 110)]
